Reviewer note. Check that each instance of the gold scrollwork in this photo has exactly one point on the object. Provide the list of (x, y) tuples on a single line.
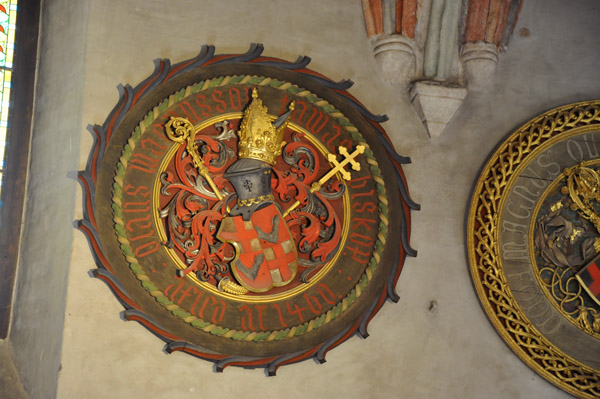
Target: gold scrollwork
[(486, 269), (583, 186), (580, 184)]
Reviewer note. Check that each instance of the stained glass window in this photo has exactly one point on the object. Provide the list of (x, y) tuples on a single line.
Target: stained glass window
[(8, 16)]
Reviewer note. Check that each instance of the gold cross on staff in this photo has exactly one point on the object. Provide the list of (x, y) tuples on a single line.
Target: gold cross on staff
[(180, 130), (337, 167)]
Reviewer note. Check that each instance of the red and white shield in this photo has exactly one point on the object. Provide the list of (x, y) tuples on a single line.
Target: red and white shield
[(589, 278), (266, 254)]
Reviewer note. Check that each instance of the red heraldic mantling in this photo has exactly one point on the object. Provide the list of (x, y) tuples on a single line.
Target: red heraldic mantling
[(266, 254)]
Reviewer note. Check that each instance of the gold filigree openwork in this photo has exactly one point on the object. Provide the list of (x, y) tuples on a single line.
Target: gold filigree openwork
[(484, 258)]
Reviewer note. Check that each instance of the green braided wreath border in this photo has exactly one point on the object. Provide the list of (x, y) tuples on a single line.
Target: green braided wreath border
[(187, 317)]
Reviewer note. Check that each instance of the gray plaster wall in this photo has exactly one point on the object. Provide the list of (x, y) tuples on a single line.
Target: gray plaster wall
[(450, 351), (36, 331)]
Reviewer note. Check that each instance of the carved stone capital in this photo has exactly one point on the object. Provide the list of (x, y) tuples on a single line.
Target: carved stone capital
[(479, 60), (395, 56)]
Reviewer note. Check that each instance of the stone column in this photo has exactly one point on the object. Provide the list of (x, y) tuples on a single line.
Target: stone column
[(488, 27), (391, 27), (437, 91), (395, 56), (479, 60)]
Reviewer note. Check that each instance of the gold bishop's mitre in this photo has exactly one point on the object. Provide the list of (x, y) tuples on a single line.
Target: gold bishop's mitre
[(259, 138)]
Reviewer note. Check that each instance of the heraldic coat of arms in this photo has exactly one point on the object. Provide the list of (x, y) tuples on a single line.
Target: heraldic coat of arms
[(242, 208), (533, 240), (266, 254)]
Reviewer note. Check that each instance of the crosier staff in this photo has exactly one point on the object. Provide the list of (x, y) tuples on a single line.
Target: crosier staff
[(180, 130)]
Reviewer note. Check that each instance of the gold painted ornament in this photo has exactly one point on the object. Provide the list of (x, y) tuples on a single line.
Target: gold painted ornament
[(240, 210), (532, 242)]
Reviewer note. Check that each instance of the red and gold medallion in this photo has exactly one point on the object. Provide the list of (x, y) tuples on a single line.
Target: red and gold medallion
[(241, 211)]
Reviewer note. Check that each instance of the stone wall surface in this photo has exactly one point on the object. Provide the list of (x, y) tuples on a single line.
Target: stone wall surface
[(38, 314), (415, 350)]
